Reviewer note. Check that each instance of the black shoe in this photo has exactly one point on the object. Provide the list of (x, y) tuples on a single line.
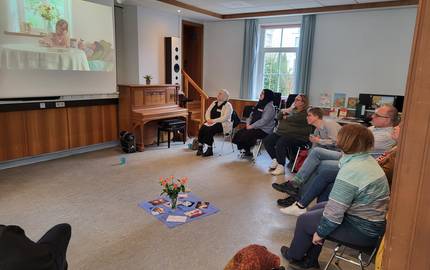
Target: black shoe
[(287, 201), (284, 251), (200, 150), (286, 187), (208, 152), (304, 264)]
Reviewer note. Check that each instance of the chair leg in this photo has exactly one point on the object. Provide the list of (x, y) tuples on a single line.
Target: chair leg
[(332, 257), (295, 160), (341, 254), (168, 138), (184, 135), (158, 137)]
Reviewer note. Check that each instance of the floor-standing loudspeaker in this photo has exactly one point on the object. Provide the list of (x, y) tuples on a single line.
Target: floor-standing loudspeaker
[(172, 50)]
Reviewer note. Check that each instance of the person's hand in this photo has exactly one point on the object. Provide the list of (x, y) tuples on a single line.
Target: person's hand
[(317, 240), (248, 126), (314, 138), (210, 121)]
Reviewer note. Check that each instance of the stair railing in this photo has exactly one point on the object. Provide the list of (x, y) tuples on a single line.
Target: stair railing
[(203, 96)]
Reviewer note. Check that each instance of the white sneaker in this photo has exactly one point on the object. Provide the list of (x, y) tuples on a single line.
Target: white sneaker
[(293, 210), (279, 170), (273, 165)]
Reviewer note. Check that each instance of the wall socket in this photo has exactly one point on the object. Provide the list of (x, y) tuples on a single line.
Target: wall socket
[(60, 104)]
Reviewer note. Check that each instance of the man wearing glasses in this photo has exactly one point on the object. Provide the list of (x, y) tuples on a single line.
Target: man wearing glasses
[(383, 121), (324, 160)]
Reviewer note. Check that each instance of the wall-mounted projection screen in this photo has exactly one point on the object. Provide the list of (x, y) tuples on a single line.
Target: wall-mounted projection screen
[(56, 47)]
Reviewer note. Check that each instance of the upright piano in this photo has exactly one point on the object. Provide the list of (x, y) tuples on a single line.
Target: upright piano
[(141, 105)]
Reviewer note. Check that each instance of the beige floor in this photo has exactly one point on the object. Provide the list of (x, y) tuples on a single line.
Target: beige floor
[(100, 200)]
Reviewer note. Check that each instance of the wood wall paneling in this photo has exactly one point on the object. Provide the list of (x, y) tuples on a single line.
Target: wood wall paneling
[(85, 125), (13, 139), (408, 232), (47, 131), (238, 104), (110, 123)]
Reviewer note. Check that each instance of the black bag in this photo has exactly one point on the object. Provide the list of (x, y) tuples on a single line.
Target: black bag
[(128, 142)]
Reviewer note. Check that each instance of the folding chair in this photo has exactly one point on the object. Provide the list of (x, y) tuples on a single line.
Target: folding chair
[(301, 155), (339, 254), (257, 150), (229, 137)]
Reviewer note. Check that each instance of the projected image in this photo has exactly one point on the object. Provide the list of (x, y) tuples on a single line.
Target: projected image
[(56, 35), (378, 101)]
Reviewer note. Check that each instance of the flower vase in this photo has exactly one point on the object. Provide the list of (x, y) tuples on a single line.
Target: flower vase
[(174, 201), (48, 27)]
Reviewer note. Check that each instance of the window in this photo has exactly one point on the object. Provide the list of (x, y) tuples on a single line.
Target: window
[(42, 15), (277, 58)]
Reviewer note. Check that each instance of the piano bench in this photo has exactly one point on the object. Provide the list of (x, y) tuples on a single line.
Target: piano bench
[(169, 126)]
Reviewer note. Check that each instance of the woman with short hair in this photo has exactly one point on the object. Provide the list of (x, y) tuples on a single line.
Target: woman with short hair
[(358, 202), (218, 119)]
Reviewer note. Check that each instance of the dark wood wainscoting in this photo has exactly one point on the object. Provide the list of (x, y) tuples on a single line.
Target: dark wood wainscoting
[(28, 133)]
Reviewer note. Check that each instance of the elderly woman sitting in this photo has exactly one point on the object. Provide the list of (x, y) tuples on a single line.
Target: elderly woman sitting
[(218, 119)]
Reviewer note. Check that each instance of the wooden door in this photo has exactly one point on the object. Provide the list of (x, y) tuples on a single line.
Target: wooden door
[(192, 54), (408, 233)]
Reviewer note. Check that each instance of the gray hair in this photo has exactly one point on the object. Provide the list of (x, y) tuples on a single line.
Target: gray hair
[(392, 113), (225, 93)]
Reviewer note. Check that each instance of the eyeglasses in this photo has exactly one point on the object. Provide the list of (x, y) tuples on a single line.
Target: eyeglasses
[(380, 116)]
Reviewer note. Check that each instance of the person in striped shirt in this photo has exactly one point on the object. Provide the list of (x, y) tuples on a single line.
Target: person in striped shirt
[(358, 202)]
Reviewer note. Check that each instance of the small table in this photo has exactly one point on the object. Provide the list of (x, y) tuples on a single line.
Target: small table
[(171, 125), (34, 56)]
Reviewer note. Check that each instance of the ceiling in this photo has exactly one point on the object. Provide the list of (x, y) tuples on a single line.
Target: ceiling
[(246, 6), (229, 7)]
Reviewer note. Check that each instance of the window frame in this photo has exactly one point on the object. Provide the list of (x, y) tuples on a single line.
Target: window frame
[(262, 50)]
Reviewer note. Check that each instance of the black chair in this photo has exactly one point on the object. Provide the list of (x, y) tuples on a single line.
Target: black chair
[(277, 98), (247, 110), (290, 100), (339, 254), (169, 126)]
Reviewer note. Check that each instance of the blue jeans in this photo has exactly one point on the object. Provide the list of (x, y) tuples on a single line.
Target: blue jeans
[(320, 187), (317, 157)]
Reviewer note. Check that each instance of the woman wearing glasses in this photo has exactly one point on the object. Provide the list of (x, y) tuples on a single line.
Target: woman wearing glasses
[(292, 131)]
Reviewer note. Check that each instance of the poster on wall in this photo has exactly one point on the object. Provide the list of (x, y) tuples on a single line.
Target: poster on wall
[(325, 100), (339, 99), (352, 102)]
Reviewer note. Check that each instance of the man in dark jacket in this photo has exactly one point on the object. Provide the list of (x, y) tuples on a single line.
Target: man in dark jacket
[(18, 252)]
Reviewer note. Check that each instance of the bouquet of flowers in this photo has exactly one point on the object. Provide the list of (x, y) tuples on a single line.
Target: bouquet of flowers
[(172, 187), (47, 11)]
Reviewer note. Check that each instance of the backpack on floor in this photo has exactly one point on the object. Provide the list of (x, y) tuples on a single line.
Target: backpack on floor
[(128, 142)]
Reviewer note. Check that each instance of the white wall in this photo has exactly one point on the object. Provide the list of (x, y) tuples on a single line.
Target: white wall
[(128, 68), (143, 33), (223, 47), (153, 26), (362, 52)]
